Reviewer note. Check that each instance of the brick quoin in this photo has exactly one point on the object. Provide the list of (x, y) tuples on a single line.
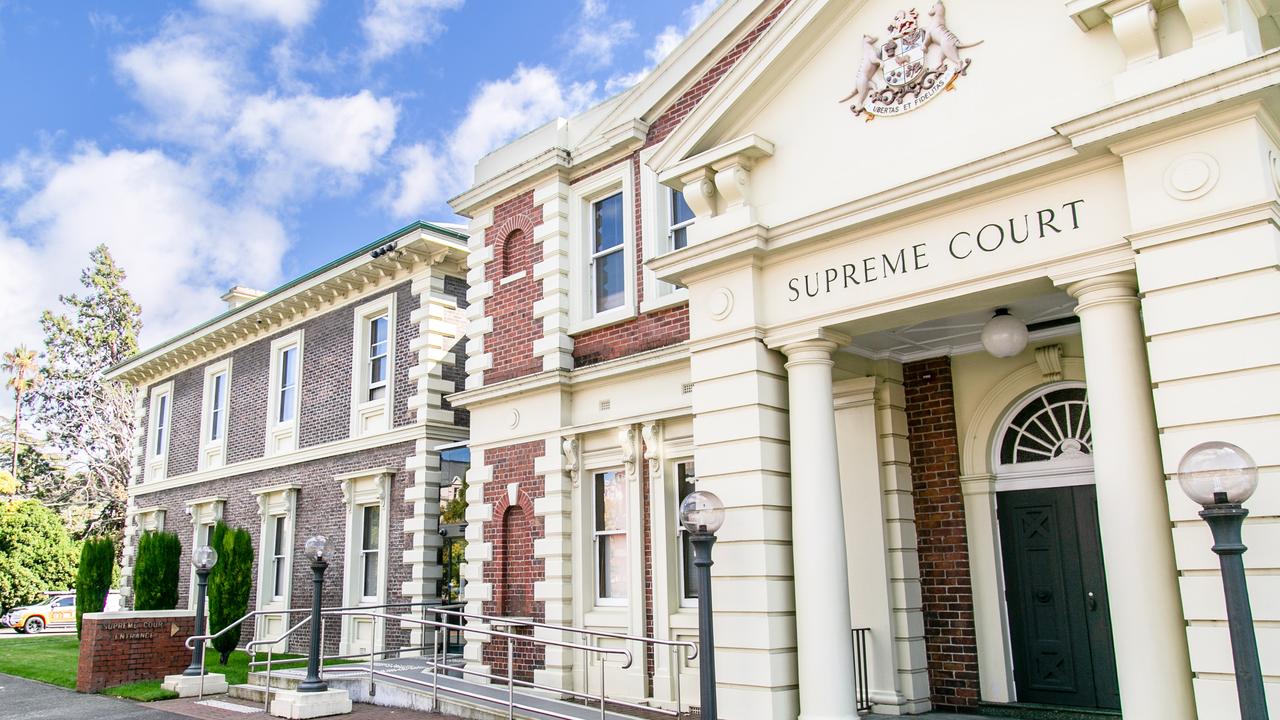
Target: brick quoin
[(947, 594), (514, 570), (511, 305)]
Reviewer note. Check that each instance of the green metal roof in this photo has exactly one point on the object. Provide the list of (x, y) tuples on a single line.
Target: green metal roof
[(416, 225)]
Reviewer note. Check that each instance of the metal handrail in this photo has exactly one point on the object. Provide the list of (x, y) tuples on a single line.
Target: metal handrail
[(266, 689), (691, 646), (512, 705)]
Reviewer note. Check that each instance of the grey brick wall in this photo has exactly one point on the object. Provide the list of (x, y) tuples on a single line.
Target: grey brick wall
[(325, 414), (321, 511)]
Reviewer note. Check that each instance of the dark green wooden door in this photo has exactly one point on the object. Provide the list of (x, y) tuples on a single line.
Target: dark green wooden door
[(1056, 591)]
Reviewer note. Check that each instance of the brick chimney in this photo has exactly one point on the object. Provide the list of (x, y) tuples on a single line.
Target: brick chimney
[(239, 295)]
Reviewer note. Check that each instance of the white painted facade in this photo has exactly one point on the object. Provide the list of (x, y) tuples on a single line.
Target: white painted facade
[(1146, 130)]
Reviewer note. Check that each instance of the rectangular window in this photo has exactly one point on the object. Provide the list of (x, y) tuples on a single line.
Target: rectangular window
[(608, 262), (288, 392), (279, 559), (162, 425), (369, 550), (217, 406), (681, 218), (611, 535), (377, 358), (688, 575)]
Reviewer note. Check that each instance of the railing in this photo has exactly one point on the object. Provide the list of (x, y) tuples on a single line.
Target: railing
[(452, 621), (861, 686), (676, 645), (511, 681)]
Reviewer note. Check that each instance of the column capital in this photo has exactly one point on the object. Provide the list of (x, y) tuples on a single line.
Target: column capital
[(795, 342), (1091, 292)]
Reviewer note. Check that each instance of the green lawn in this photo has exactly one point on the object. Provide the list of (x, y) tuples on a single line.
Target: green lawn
[(53, 659)]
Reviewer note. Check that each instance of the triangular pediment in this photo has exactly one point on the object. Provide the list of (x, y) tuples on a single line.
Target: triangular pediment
[(994, 88)]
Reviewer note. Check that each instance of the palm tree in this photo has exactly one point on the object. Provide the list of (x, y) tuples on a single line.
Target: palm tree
[(21, 365)]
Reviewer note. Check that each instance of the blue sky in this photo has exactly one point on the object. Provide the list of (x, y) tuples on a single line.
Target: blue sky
[(215, 142)]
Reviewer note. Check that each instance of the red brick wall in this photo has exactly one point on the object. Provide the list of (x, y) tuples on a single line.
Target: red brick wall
[(671, 118), (950, 643), (513, 570), (511, 305), (139, 646)]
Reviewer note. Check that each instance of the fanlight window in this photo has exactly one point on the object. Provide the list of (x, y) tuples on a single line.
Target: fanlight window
[(1051, 427)]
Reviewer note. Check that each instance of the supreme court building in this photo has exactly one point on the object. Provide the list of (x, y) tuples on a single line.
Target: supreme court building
[(765, 271)]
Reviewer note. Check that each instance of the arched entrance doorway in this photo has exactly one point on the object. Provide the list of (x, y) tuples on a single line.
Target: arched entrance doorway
[(1055, 585)]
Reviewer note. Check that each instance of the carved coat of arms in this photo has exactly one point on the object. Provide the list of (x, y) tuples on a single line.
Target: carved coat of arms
[(910, 67)]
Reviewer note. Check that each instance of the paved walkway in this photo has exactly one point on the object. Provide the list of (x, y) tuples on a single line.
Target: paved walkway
[(221, 707), (31, 700)]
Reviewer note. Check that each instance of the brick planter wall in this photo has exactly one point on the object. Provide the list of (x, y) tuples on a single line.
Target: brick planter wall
[(950, 642), (122, 647)]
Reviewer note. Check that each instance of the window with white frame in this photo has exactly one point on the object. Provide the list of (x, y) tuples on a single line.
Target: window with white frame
[(602, 249), (367, 495), (374, 360), (277, 508), (679, 218), (370, 568), (213, 419), (285, 393), (611, 537), (608, 260), (287, 408), (158, 433), (205, 514), (688, 574), (279, 557)]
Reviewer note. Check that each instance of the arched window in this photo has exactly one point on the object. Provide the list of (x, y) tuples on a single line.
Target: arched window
[(1046, 430)]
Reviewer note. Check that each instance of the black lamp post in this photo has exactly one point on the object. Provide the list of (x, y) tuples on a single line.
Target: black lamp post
[(314, 549), (702, 514), (1221, 476), (203, 559)]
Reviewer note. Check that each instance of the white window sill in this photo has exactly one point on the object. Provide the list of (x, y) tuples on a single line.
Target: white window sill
[(606, 617), (512, 278), (612, 317), (675, 297)]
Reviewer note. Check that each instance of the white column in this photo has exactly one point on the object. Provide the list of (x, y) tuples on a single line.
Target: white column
[(825, 651), (1133, 515)]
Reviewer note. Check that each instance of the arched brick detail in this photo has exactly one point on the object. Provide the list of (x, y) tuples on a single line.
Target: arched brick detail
[(515, 550), (502, 235)]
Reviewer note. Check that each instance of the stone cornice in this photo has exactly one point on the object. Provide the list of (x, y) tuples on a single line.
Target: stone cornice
[(432, 431), (360, 274), (568, 379)]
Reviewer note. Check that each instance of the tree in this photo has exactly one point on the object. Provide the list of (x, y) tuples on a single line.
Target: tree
[(24, 375), (229, 583), (36, 554), (156, 571), (88, 419), (93, 578)]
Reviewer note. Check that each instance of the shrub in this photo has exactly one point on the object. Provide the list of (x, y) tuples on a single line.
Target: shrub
[(229, 583), (36, 553), (155, 573), (93, 578)]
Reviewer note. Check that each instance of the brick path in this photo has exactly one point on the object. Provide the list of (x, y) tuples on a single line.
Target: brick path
[(189, 707)]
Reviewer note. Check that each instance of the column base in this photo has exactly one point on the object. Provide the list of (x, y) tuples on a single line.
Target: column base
[(189, 685), (301, 705)]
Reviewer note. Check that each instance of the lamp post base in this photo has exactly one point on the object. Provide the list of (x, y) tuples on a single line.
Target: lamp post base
[(190, 685), (301, 705)]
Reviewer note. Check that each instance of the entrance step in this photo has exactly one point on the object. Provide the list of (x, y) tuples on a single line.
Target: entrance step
[(1032, 711)]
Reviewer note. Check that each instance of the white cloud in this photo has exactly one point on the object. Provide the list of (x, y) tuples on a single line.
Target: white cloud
[(187, 84), (499, 111), (180, 249), (288, 13), (294, 139), (595, 35), (664, 43), (392, 25)]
